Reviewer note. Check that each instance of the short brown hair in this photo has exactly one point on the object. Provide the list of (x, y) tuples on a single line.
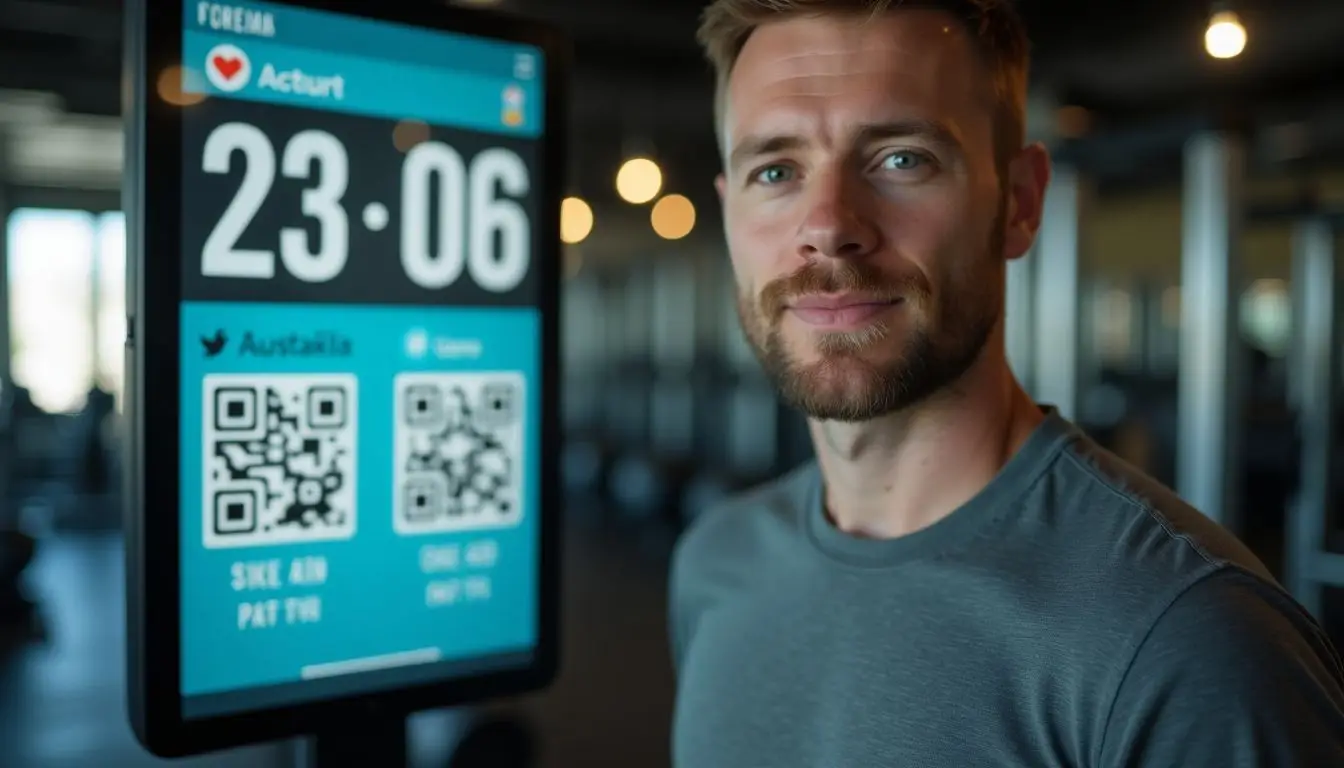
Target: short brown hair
[(994, 26)]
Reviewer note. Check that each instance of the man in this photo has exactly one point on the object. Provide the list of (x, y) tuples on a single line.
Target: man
[(962, 578)]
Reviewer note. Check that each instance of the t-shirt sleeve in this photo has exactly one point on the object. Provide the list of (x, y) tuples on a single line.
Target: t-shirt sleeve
[(676, 607), (1233, 675)]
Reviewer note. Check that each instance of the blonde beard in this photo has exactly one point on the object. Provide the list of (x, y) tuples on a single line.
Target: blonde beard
[(853, 341)]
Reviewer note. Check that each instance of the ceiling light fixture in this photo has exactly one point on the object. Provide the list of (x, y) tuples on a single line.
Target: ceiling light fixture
[(1225, 37)]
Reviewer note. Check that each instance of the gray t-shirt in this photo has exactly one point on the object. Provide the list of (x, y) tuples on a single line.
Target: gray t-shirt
[(1075, 613)]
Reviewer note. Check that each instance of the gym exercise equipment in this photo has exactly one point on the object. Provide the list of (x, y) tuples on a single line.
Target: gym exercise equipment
[(1311, 565)]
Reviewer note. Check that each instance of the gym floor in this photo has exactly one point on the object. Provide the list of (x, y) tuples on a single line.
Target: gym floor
[(62, 697)]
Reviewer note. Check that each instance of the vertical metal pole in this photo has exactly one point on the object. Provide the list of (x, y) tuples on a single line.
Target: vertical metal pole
[(583, 349), (1314, 269), (1154, 336), (8, 511), (1208, 462), (1055, 353), (5, 349), (636, 357), (1297, 290), (673, 313), (1141, 333), (752, 414), (615, 379), (638, 316), (585, 332), (736, 350), (96, 296), (1019, 319), (673, 340)]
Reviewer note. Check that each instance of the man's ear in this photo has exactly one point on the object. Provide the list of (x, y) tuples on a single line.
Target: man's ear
[(720, 184), (1028, 177)]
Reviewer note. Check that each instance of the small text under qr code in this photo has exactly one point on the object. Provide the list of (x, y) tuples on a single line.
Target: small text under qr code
[(458, 452), (279, 458)]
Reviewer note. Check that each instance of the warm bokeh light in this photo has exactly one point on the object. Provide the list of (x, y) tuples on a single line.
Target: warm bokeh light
[(170, 87), (639, 180), (576, 220), (408, 133), (1225, 37), (673, 217)]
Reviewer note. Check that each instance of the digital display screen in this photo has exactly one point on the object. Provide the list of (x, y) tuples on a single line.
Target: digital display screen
[(361, 355)]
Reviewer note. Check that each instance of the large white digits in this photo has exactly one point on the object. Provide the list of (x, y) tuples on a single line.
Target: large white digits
[(490, 213), (219, 258), (426, 159), (322, 202)]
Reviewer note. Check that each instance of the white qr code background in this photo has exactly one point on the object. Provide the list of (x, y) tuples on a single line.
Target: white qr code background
[(458, 455), (279, 458)]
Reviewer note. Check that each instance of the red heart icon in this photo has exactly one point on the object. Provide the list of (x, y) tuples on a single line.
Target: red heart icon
[(228, 67)]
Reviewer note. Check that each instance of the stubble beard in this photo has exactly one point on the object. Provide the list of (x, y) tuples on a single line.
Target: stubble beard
[(856, 376)]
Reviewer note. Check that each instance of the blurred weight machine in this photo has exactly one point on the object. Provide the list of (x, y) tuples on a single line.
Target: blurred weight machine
[(57, 472), (17, 611), (666, 408)]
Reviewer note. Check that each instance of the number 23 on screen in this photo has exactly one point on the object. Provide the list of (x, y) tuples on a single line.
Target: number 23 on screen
[(467, 203)]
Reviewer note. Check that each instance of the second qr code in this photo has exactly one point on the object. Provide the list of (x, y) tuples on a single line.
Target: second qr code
[(458, 451)]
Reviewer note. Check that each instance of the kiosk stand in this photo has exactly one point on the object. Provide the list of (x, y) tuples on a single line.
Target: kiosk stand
[(342, 399), (378, 743)]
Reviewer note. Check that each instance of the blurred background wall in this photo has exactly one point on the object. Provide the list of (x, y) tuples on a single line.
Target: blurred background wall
[(665, 409)]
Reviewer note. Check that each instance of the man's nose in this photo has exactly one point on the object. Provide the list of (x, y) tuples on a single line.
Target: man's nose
[(836, 225)]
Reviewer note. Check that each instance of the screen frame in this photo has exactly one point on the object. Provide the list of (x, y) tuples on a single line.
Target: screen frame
[(153, 41)]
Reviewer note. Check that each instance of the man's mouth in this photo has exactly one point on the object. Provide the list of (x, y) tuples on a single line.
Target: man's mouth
[(840, 311)]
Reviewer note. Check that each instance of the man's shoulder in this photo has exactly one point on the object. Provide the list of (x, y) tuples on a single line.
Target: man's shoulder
[(1231, 653), (1094, 525), (1146, 524), (744, 520), (734, 537)]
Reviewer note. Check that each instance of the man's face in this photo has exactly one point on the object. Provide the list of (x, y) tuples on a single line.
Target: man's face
[(864, 212)]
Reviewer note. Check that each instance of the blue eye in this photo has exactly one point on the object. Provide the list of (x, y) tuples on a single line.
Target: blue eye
[(774, 174), (902, 161)]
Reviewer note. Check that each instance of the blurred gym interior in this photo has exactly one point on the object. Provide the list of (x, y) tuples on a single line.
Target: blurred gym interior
[(665, 409)]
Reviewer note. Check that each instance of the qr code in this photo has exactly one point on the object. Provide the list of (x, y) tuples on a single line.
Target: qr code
[(458, 454), (279, 459)]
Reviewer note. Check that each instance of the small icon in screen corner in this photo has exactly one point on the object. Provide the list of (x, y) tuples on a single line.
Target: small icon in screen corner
[(523, 66), (228, 68), (214, 344), (417, 343), (513, 106)]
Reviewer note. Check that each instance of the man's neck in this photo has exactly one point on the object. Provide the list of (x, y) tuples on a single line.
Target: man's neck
[(900, 473)]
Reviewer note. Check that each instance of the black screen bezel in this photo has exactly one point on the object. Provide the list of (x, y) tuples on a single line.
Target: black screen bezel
[(153, 42)]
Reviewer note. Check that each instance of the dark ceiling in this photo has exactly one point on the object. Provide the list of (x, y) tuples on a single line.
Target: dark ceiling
[(640, 83)]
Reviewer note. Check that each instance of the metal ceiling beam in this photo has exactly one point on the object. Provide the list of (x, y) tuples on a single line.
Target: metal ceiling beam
[(61, 17), (653, 28), (1166, 62), (83, 88)]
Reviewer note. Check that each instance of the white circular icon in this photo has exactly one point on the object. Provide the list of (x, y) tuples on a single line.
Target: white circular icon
[(228, 68), (417, 343)]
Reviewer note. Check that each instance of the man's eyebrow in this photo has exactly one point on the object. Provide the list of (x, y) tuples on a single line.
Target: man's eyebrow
[(930, 131), (752, 147)]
